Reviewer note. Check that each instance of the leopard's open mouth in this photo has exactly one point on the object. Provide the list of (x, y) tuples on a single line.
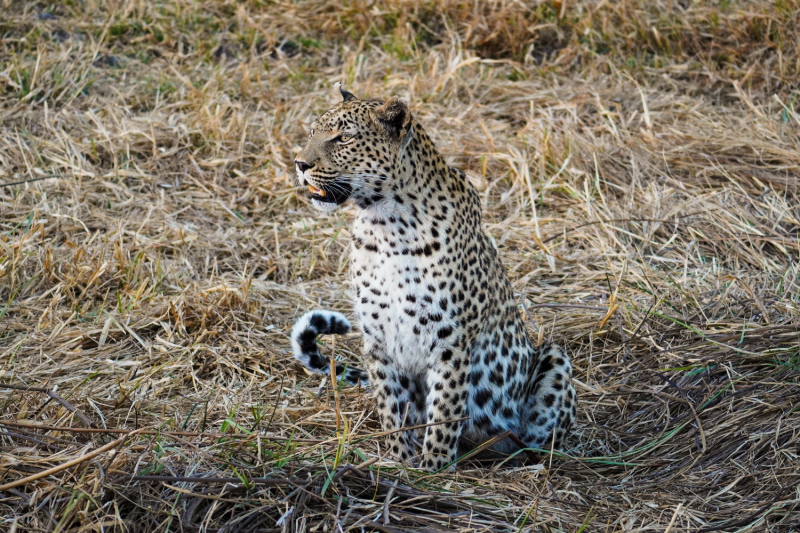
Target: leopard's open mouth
[(315, 191), (331, 193)]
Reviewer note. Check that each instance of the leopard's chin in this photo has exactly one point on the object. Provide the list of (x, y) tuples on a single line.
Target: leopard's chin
[(321, 205)]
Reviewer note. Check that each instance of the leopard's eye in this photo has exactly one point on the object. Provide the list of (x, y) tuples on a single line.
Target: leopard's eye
[(344, 138), (312, 133)]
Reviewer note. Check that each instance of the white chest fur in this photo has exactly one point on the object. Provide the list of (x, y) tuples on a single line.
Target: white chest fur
[(402, 299)]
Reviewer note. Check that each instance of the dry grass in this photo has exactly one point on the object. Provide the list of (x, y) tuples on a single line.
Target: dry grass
[(639, 163)]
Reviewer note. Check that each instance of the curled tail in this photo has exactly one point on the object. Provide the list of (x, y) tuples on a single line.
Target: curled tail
[(304, 344)]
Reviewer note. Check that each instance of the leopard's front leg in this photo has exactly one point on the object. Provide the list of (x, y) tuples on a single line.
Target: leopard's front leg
[(448, 388), (395, 404)]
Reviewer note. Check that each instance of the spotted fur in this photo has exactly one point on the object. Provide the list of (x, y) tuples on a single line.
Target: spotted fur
[(443, 337)]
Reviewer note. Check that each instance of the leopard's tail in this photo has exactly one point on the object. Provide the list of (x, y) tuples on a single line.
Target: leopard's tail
[(304, 344)]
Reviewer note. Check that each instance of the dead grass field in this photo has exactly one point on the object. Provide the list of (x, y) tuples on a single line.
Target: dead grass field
[(639, 163)]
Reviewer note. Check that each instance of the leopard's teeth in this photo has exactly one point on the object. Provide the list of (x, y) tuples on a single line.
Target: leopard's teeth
[(314, 190)]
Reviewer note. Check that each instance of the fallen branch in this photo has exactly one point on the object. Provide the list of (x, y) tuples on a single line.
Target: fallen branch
[(276, 482), (150, 432), (68, 464), (64, 403)]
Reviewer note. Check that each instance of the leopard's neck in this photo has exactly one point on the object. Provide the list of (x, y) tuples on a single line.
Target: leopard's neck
[(422, 201)]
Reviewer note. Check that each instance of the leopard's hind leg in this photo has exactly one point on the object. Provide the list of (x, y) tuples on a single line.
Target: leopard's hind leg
[(550, 409)]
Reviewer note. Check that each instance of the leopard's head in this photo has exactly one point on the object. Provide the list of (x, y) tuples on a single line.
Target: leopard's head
[(353, 150)]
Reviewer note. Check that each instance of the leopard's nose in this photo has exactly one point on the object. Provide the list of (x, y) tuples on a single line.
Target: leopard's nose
[(302, 166)]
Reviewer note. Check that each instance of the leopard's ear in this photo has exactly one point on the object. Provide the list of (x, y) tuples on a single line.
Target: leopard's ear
[(339, 95), (394, 116)]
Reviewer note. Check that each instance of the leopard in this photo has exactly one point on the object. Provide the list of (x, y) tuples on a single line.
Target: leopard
[(447, 352)]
